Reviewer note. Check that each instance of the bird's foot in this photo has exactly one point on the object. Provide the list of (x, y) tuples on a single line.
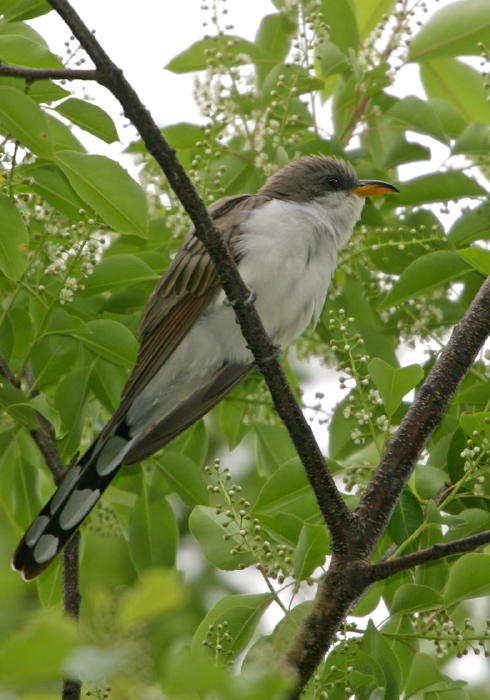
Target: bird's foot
[(252, 296)]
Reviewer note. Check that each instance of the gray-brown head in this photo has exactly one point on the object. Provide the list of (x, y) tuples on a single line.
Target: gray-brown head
[(313, 177)]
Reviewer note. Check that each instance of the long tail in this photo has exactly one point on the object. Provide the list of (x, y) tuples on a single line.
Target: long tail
[(71, 503)]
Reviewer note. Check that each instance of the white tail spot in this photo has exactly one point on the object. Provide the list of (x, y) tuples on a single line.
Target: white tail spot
[(46, 548), (36, 529), (77, 507), (112, 454), (68, 483)]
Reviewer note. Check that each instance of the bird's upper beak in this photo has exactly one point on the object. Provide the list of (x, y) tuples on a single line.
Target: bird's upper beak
[(367, 188)]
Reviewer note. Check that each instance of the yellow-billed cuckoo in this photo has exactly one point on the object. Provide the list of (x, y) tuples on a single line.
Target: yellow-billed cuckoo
[(285, 240)]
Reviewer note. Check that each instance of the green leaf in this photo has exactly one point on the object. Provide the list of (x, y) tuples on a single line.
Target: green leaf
[(479, 258), (370, 14), (424, 676), (461, 586), (14, 240), (468, 522), (185, 477), (375, 645), (415, 114), (89, 117), (210, 529), (475, 139), (425, 274), (51, 184), (62, 136), (36, 653), (197, 56), (111, 340), (437, 187), (108, 189), (119, 271), (459, 84), (16, 404), (158, 593), (19, 50), (454, 30), (406, 519), (274, 446), (240, 614), (26, 9), (274, 35), (411, 598), (393, 384), (332, 59), (340, 17), (25, 121), (107, 382), (472, 225), (313, 546), (288, 491), (71, 403), (153, 529), (428, 480), (475, 425), (400, 151)]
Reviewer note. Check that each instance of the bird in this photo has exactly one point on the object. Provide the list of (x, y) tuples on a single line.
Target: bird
[(285, 241)]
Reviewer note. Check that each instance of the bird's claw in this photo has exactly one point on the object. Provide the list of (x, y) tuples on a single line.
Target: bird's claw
[(252, 296)]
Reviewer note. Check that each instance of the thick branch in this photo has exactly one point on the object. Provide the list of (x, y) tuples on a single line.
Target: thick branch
[(441, 550), (71, 603), (336, 515), (425, 414)]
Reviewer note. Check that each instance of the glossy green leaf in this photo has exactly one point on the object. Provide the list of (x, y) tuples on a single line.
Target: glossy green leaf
[(472, 225), (425, 676), (394, 383), (310, 553), (111, 340), (401, 151), (412, 598), (240, 614), (159, 592), (332, 59), (479, 258), (450, 118), (89, 117), (185, 477), (406, 519), (274, 446), (153, 530), (210, 529), (437, 187), (476, 424), (25, 121), (107, 382), (196, 57), (413, 113), (429, 480), (20, 50), (274, 35), (14, 240), (50, 183), (459, 84), (119, 271), (71, 403), (26, 9), (288, 491), (454, 30), (62, 136), (108, 189), (16, 404), (468, 522), (376, 645), (460, 586), (425, 274)]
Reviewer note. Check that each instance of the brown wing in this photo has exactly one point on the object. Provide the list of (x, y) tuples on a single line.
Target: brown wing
[(188, 286)]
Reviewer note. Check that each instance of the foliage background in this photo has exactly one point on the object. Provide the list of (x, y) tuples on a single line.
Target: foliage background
[(317, 78)]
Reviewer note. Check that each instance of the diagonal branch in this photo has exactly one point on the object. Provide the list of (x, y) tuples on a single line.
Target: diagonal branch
[(441, 550), (425, 414), (32, 74)]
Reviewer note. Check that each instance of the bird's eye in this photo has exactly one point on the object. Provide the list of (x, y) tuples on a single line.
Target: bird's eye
[(334, 183)]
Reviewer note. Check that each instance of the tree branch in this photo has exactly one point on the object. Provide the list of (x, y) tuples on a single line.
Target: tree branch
[(384, 569), (338, 518), (71, 603), (424, 415)]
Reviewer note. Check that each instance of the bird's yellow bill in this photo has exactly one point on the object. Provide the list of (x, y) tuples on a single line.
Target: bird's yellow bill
[(368, 188)]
